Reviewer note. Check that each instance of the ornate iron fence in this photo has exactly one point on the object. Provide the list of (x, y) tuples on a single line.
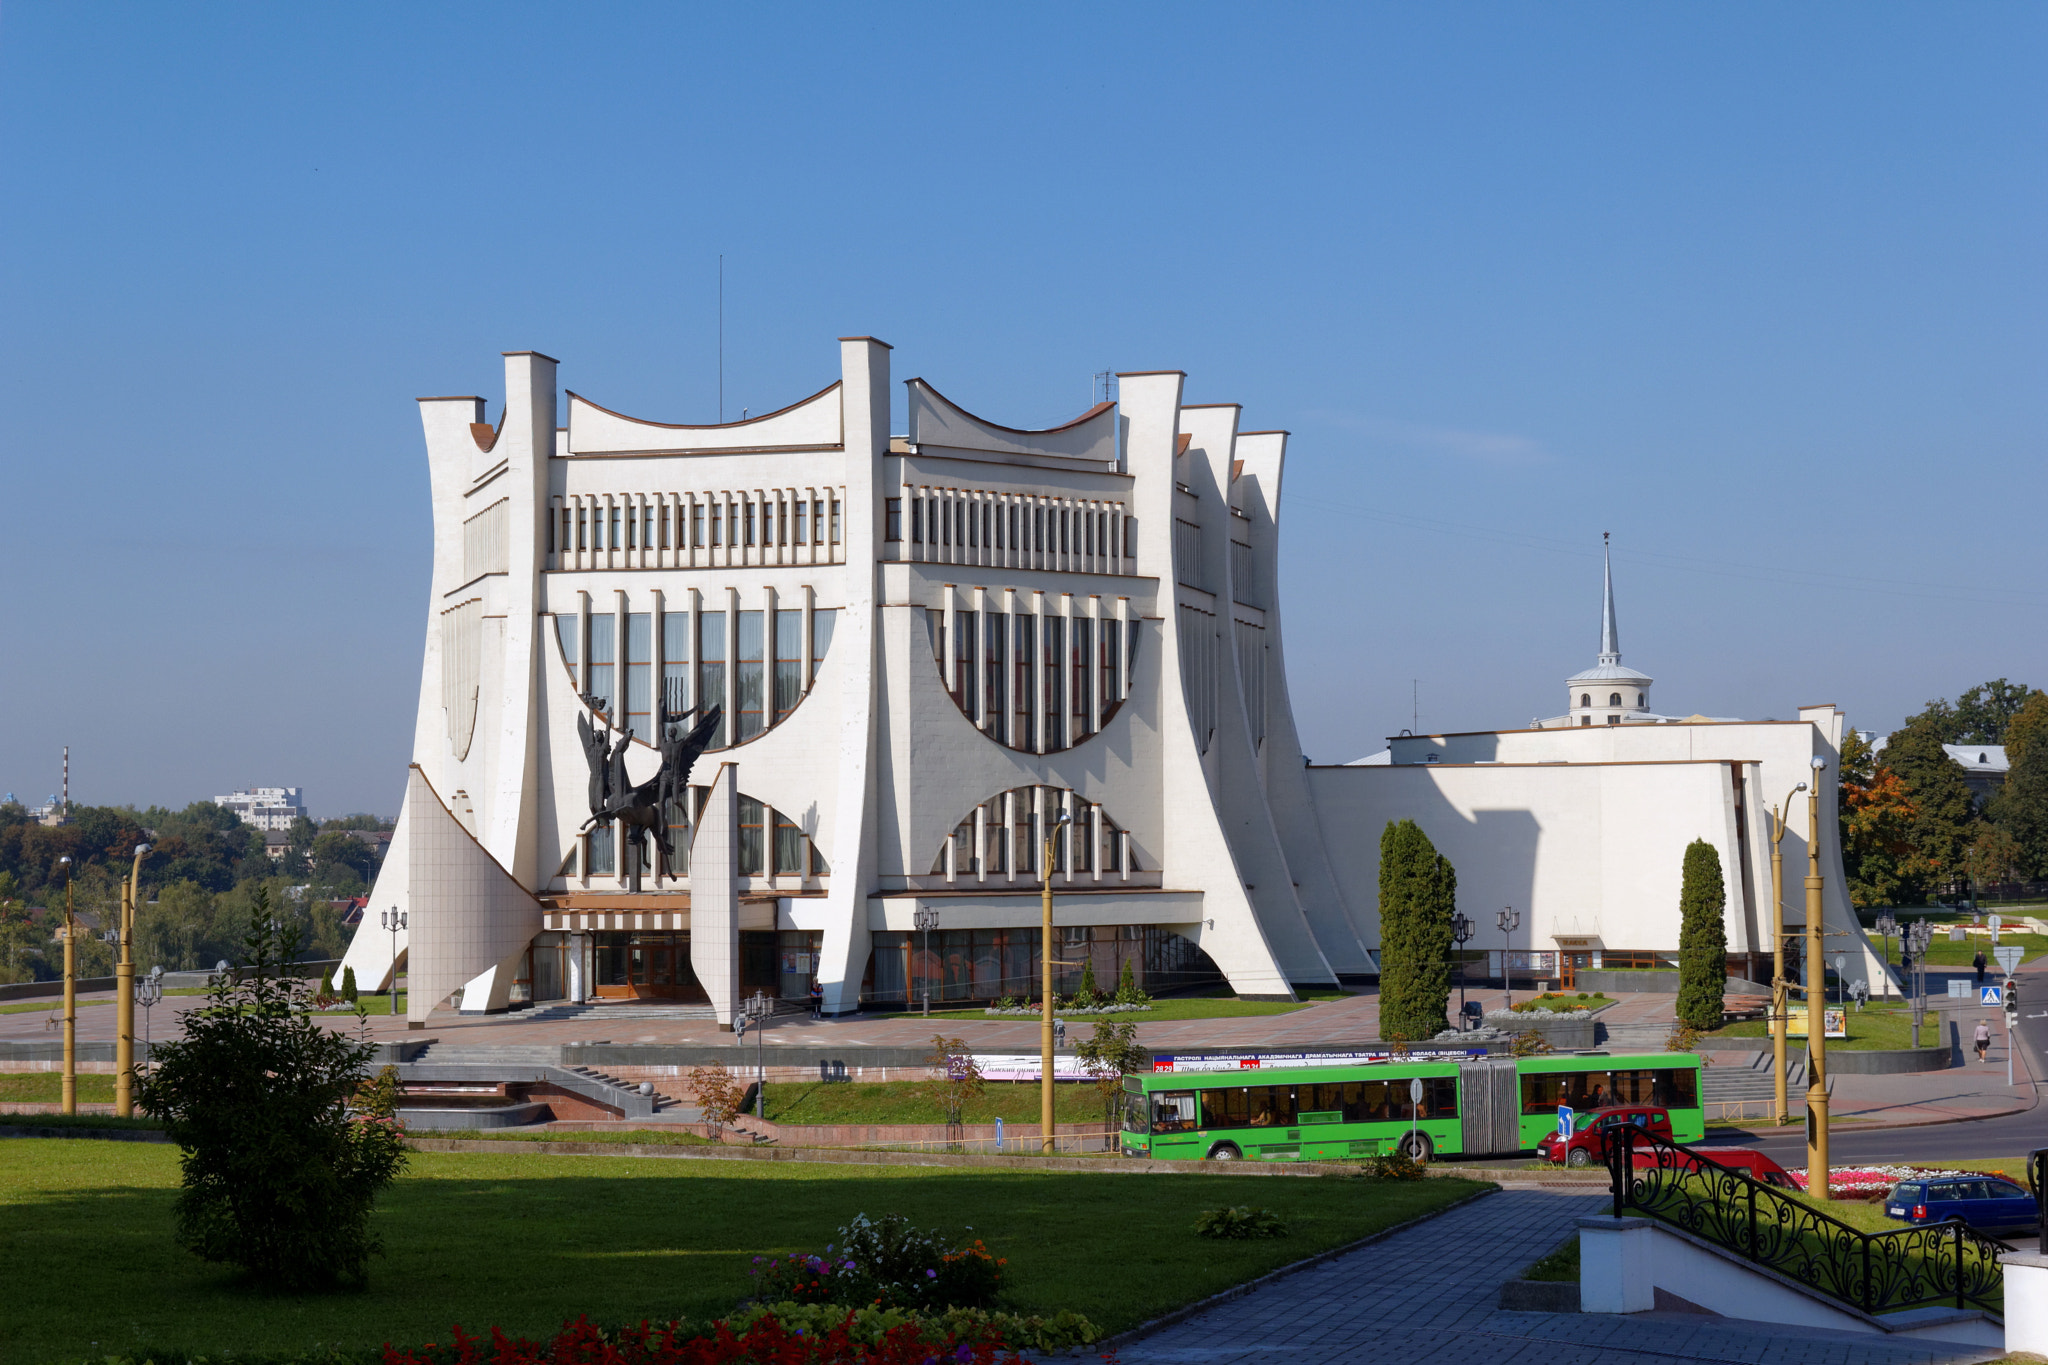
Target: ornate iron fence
[(1878, 1272)]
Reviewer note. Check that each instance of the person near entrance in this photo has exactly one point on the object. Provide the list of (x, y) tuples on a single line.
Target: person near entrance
[(1983, 1039), (1978, 963), (817, 999)]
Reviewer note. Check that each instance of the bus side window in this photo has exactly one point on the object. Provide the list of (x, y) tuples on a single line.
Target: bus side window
[(1173, 1111), (1225, 1106)]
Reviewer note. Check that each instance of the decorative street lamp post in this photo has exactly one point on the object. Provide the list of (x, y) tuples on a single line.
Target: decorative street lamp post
[(1886, 926), (147, 992), (1509, 920), (394, 920), (1045, 1041), (1780, 988), (926, 919), (1461, 934)]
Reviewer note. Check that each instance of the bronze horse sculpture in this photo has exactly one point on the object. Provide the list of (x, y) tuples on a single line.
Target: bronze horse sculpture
[(640, 809)]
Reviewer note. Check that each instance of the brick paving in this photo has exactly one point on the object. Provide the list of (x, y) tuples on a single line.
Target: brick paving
[(1429, 1294)]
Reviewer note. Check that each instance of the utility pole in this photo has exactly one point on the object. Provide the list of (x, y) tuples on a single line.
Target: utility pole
[(124, 992), (1780, 993), (70, 996), (1045, 1135), (1816, 1003)]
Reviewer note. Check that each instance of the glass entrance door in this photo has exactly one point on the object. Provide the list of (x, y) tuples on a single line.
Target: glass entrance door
[(651, 968)]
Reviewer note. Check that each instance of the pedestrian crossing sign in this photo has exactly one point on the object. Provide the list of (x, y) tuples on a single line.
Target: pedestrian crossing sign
[(1991, 995)]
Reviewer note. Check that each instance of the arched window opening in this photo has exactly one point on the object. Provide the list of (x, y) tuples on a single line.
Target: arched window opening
[(1614, 699), (1033, 683), (1585, 698), (1003, 838)]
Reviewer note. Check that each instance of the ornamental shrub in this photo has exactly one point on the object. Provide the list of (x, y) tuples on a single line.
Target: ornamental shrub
[(1089, 993), (348, 984), (739, 1340), (1418, 896), (906, 1267), (1702, 938), (1240, 1223), (1127, 989), (279, 1172), (1392, 1165)]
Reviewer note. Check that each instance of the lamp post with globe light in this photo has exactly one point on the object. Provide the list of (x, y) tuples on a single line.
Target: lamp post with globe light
[(1509, 920), (394, 920), (1045, 1133), (1780, 988), (1461, 934), (925, 919), (1886, 926), (1816, 1002), (148, 991)]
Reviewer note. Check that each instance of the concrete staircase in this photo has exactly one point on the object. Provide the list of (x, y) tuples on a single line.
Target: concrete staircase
[(1738, 1084), (1648, 1037)]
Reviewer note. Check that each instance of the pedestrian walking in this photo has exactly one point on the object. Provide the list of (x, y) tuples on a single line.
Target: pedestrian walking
[(817, 999), (1978, 963), (1983, 1039)]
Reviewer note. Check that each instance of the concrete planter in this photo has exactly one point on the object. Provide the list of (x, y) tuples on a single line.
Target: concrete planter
[(1606, 982), (1566, 1035)]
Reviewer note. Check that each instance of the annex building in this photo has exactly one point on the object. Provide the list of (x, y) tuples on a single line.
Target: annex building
[(931, 653)]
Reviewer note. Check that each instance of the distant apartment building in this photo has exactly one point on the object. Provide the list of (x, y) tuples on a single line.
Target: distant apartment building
[(267, 808)]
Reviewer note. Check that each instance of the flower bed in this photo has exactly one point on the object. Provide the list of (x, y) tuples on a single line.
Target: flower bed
[(1871, 1182), (762, 1338)]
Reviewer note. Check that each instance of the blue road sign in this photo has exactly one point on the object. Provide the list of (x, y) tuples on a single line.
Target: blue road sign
[(1991, 995)]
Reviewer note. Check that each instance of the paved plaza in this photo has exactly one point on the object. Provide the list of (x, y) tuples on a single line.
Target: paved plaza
[(1429, 1294)]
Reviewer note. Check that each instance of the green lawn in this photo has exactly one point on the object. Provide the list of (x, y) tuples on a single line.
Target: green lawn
[(1880, 1027), (1566, 1000), (1162, 1011), (524, 1242), (1942, 953), (905, 1102), (47, 1087), (53, 1004), (627, 1137)]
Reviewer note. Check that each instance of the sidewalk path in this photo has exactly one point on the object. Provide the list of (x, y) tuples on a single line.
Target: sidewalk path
[(1428, 1294)]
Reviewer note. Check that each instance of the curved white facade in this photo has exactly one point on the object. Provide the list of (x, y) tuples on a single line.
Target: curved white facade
[(926, 648)]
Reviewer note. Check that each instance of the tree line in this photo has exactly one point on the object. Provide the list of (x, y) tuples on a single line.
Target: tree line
[(199, 884), (1912, 830)]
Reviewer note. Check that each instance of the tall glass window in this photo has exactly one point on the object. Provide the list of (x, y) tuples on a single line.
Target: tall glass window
[(603, 631), (675, 662), (964, 659), (697, 525), (678, 817), (566, 630), (640, 675), (802, 527), (1081, 628), (603, 855), (614, 542), (717, 523), (1025, 636), (1106, 697), (789, 847), (751, 841), (995, 635), (711, 670), (822, 621), (749, 687), (789, 662), (835, 521), (1055, 678)]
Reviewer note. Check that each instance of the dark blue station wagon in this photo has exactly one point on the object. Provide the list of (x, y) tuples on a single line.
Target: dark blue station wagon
[(1986, 1202)]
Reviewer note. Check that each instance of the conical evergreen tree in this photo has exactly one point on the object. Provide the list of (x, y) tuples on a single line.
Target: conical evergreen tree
[(1418, 896), (1702, 938)]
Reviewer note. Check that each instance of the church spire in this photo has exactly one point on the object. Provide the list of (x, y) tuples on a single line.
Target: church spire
[(1610, 638)]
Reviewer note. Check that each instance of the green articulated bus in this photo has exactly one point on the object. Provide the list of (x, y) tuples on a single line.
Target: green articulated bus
[(1480, 1106)]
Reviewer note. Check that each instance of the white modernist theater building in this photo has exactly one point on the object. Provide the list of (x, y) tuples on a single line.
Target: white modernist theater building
[(931, 651)]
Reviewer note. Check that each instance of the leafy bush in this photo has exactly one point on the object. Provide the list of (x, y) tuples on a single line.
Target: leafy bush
[(1530, 1044), (1127, 991), (279, 1173), (1239, 1223), (719, 1095), (905, 1267), (348, 984), (1089, 993), (1394, 1165)]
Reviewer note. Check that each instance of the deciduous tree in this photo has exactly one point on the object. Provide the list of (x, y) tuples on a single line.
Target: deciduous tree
[(1944, 815)]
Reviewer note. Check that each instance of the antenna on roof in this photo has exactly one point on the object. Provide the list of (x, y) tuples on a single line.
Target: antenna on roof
[(721, 338), (1105, 386)]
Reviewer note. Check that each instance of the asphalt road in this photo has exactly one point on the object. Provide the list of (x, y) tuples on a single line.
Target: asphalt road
[(2012, 1135)]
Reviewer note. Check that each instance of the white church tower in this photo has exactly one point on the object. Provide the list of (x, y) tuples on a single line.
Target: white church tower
[(1606, 693)]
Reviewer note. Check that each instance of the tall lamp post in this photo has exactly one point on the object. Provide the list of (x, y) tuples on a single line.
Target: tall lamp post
[(1816, 1003), (1461, 934), (124, 992), (1886, 926), (926, 919), (394, 920), (1509, 920), (1913, 945), (70, 997), (1045, 1134), (1780, 989)]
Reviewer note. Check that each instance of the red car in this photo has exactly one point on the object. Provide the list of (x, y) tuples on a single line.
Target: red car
[(1587, 1145), (1755, 1165)]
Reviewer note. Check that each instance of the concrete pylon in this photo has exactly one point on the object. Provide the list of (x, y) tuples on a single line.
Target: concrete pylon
[(715, 895)]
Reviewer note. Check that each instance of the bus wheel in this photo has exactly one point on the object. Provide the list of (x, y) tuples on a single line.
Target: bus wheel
[(1224, 1151), (1418, 1148), (1579, 1156)]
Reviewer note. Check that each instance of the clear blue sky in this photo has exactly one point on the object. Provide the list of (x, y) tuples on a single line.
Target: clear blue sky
[(1759, 288)]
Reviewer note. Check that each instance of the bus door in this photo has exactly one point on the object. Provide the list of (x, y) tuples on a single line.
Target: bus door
[(1489, 1106)]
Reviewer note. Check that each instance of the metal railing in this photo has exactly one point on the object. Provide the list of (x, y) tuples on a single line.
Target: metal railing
[(1877, 1272)]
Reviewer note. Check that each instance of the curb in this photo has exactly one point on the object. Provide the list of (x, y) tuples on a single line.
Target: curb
[(15, 1130), (1132, 1335)]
